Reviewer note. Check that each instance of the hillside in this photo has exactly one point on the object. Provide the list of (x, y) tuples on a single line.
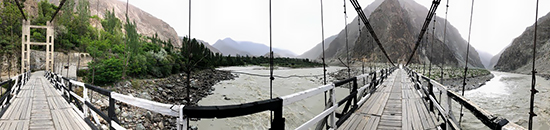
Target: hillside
[(397, 24), (316, 52), (518, 56), (147, 24)]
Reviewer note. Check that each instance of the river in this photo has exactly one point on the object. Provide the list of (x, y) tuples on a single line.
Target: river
[(508, 95)]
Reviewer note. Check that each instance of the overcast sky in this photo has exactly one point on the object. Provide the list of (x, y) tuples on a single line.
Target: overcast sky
[(297, 23)]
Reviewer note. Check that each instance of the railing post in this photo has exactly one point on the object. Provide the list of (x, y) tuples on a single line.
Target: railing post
[(448, 110), (85, 96), (374, 80), (181, 121), (71, 98), (111, 112), (278, 120), (356, 93), (334, 103), (431, 93)]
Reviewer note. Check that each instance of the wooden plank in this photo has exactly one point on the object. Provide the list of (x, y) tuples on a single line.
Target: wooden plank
[(56, 122), (347, 122), (372, 123), (20, 125), (13, 125), (78, 122), (363, 123), (355, 123), (405, 124)]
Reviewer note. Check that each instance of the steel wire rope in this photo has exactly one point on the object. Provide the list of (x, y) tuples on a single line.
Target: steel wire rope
[(533, 72), (271, 78), (431, 12), (466, 64)]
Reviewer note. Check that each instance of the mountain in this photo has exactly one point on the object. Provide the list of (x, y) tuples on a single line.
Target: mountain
[(494, 60), (211, 48), (518, 56), (207, 45), (485, 58), (397, 24), (229, 46), (316, 52)]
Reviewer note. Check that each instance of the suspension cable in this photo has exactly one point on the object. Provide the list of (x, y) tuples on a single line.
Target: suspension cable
[(189, 45), (271, 78), (366, 22), (347, 46), (444, 36), (57, 10), (323, 48), (20, 10), (432, 48), (466, 65), (323, 58), (533, 72), (429, 17)]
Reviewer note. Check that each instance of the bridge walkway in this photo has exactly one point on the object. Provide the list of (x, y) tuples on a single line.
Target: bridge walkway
[(40, 106), (396, 104)]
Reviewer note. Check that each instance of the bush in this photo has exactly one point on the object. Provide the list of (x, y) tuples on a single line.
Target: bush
[(108, 71)]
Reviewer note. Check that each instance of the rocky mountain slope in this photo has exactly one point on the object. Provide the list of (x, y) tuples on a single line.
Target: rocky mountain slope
[(229, 46), (353, 32), (316, 51), (146, 23), (495, 58), (397, 24), (518, 56)]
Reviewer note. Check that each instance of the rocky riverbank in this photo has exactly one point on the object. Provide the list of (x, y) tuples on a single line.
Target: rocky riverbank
[(170, 90), (455, 84)]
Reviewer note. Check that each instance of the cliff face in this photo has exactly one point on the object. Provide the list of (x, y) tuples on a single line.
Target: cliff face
[(146, 23), (518, 56)]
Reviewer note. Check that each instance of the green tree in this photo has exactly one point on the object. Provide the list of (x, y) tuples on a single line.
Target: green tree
[(108, 71)]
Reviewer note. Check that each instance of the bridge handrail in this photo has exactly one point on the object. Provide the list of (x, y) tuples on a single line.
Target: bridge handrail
[(14, 86), (278, 122), (225, 111), (110, 117), (490, 120)]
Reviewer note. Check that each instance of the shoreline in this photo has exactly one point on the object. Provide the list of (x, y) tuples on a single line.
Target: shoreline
[(455, 84), (169, 90)]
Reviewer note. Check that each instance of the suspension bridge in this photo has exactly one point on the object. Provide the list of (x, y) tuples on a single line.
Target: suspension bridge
[(390, 98)]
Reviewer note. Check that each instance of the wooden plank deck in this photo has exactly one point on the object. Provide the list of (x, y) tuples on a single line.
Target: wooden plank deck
[(40, 106), (395, 105)]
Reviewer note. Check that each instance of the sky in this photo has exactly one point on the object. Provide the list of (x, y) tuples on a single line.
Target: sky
[(296, 24)]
